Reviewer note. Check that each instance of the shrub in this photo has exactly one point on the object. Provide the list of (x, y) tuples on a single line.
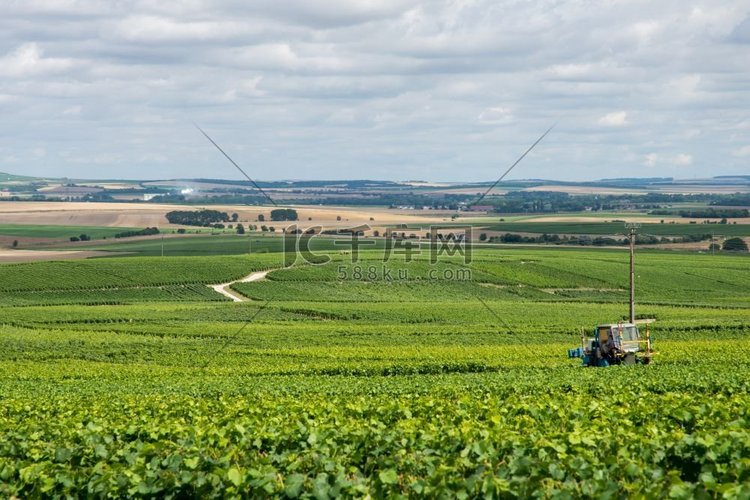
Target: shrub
[(735, 245), (143, 232)]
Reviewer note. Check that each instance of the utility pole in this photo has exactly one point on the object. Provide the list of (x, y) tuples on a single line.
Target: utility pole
[(632, 231)]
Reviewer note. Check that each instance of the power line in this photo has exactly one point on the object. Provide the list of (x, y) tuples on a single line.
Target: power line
[(514, 164), (235, 164)]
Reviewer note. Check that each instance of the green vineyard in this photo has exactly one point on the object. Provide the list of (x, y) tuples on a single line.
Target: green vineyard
[(130, 376)]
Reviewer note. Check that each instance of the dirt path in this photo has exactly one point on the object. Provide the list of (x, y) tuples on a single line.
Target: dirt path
[(38, 255), (224, 287)]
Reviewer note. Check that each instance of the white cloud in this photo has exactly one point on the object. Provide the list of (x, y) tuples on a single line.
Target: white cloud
[(72, 111), (682, 159), (344, 88), (28, 61), (495, 116), (653, 159), (614, 119)]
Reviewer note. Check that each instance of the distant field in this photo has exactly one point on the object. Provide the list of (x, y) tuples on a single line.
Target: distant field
[(47, 231), (214, 245), (614, 228)]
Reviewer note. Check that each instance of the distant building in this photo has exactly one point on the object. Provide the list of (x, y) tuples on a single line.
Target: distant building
[(481, 208)]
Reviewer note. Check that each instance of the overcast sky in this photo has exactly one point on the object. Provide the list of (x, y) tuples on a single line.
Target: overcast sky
[(377, 89)]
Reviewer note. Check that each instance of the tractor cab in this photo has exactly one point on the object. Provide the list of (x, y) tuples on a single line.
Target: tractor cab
[(614, 344)]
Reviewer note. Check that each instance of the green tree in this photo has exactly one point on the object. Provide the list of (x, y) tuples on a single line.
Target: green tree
[(240, 229), (735, 245), (283, 214)]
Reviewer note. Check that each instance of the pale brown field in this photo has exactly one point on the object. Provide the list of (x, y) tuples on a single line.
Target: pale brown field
[(586, 190), (148, 215), (679, 189), (85, 214), (38, 255), (469, 190), (108, 185), (697, 189)]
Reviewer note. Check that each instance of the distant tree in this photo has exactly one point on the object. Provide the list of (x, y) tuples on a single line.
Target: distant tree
[(735, 245), (338, 217), (235, 217), (483, 237), (181, 230), (75, 238), (142, 232), (714, 247), (284, 214), (261, 218), (511, 238), (84, 237), (197, 218), (309, 218), (240, 229), (272, 229), (15, 243), (264, 228), (376, 233)]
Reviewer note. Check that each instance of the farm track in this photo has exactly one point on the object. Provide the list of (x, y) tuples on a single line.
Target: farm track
[(224, 287)]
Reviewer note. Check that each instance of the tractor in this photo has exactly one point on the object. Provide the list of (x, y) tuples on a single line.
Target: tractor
[(614, 344), (618, 343)]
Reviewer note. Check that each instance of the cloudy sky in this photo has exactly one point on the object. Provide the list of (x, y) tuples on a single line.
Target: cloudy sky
[(378, 89)]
